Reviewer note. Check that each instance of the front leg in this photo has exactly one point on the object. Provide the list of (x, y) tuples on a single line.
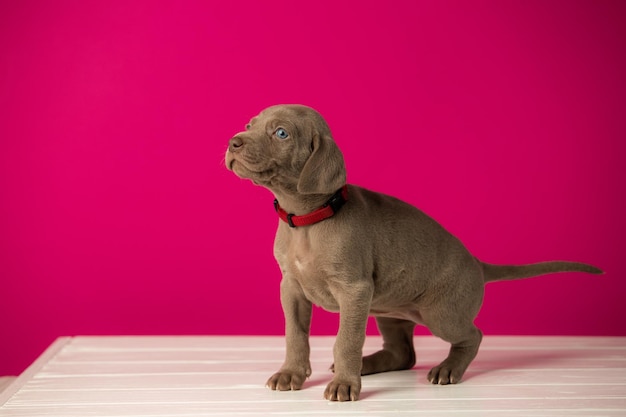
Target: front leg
[(297, 310), (354, 305)]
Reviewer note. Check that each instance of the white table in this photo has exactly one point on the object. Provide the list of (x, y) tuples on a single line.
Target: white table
[(219, 376)]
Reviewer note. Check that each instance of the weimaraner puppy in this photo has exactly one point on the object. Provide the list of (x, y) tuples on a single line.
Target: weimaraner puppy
[(361, 253)]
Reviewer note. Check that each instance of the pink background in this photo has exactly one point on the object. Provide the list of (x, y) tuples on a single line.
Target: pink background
[(505, 121)]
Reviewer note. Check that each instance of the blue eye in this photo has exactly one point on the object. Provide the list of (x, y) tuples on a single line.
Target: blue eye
[(282, 133)]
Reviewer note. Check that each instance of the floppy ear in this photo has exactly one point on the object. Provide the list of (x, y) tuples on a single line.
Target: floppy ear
[(324, 172)]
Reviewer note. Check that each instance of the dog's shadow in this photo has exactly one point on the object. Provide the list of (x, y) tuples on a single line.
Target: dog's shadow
[(318, 381), (518, 360), (324, 379), (485, 364)]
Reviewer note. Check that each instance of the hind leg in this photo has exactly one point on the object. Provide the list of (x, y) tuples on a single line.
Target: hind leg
[(398, 352), (452, 319), (454, 323), (462, 353)]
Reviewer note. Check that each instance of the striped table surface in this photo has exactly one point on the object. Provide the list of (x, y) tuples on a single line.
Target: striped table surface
[(223, 376)]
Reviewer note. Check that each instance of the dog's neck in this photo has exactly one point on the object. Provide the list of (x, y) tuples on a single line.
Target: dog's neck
[(300, 204), (328, 209)]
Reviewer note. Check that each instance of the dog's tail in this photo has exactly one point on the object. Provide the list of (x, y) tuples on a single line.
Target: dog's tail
[(510, 272)]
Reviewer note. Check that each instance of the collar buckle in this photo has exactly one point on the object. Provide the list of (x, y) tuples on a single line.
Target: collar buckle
[(337, 201)]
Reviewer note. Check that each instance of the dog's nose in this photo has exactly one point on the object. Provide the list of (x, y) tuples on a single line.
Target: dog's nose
[(235, 143)]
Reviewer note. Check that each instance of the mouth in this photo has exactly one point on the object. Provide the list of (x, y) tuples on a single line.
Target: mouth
[(243, 170), (239, 167), (230, 164), (229, 161)]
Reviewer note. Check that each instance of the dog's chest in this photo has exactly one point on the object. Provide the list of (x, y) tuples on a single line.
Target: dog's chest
[(297, 253), (302, 261), (314, 279)]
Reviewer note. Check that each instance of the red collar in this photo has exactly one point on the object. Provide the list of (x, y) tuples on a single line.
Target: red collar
[(329, 208)]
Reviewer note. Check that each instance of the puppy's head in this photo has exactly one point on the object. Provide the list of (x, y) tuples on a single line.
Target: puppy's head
[(288, 148)]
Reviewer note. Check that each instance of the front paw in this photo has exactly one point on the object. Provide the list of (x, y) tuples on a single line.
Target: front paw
[(341, 389), (286, 380)]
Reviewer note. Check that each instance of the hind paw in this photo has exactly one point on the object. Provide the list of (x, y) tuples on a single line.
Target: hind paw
[(445, 374)]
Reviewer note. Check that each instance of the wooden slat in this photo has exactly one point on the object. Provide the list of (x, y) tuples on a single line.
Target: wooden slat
[(5, 381), (209, 376), (32, 370)]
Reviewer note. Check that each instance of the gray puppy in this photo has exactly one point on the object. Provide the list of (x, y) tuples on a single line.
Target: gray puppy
[(361, 253)]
